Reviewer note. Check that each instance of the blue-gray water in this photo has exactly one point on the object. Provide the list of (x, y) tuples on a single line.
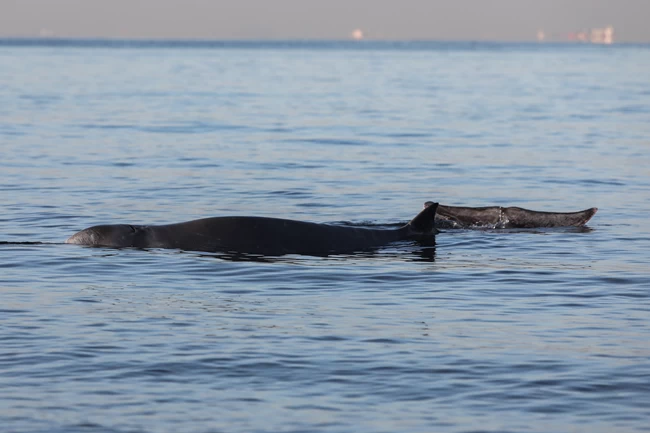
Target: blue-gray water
[(504, 331)]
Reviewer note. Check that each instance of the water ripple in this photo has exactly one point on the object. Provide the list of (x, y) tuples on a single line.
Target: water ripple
[(485, 330)]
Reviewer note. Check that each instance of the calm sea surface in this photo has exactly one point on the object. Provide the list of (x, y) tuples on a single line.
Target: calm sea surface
[(491, 330)]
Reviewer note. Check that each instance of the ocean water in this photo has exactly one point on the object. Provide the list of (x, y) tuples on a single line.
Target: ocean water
[(490, 330)]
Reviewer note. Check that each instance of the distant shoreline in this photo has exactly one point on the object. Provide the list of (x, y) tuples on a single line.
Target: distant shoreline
[(288, 43)]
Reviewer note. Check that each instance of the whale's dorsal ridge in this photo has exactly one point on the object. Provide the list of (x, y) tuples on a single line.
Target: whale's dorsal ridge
[(423, 223)]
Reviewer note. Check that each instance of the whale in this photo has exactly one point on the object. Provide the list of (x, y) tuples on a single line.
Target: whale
[(257, 235), (276, 237), (508, 217)]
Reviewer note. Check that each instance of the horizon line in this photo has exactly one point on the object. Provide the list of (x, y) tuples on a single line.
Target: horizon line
[(295, 39)]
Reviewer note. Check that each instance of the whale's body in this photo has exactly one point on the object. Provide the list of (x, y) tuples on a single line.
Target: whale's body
[(256, 235), (275, 236)]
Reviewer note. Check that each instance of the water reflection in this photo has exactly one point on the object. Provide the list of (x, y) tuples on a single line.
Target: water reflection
[(417, 251)]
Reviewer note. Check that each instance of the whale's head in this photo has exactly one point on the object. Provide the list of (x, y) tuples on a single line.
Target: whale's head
[(115, 235)]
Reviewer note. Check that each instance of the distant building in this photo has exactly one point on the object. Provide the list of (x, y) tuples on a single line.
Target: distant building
[(357, 34), (603, 35)]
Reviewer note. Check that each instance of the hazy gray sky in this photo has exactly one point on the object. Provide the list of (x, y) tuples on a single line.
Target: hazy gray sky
[(322, 19)]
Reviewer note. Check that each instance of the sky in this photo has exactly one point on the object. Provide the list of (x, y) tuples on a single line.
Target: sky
[(501, 20)]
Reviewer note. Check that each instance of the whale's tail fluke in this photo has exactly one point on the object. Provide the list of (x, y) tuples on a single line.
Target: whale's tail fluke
[(508, 217)]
